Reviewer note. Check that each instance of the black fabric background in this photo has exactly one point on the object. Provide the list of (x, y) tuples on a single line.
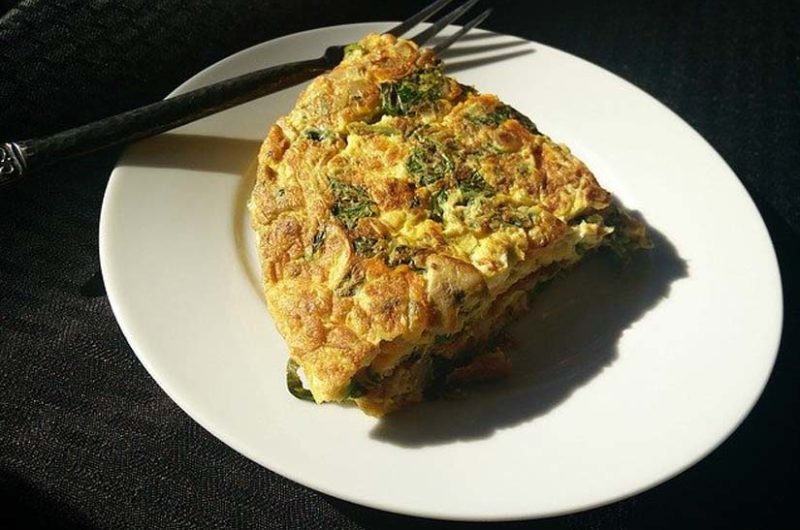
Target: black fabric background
[(88, 440)]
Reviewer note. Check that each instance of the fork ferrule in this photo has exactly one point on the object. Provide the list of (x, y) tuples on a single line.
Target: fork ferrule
[(13, 164)]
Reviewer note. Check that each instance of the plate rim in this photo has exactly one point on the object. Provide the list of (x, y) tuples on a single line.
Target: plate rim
[(120, 313)]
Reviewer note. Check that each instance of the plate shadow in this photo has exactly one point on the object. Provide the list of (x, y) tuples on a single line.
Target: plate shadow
[(458, 51), (570, 334), (194, 152), (459, 66)]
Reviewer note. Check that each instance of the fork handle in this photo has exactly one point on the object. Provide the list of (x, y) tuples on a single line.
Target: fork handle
[(19, 159)]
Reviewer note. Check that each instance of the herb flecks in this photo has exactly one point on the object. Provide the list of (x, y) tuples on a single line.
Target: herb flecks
[(351, 203), (517, 218), (404, 96), (502, 113), (318, 240), (429, 163), (438, 200), (493, 118), (472, 185), (364, 246)]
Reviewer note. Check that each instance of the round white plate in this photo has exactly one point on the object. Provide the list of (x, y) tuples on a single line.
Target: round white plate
[(623, 377)]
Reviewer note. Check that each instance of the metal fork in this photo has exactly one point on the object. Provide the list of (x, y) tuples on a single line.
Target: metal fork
[(19, 159)]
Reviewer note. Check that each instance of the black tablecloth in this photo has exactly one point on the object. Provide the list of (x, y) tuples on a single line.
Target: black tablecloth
[(87, 438)]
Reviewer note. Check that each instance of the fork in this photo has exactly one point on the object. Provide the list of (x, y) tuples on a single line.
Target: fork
[(20, 159)]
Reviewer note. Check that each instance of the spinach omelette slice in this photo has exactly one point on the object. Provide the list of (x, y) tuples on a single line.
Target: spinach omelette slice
[(403, 219)]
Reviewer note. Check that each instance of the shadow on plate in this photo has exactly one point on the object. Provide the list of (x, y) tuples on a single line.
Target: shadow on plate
[(459, 66), (202, 153), (471, 36), (194, 152), (570, 334), (459, 50)]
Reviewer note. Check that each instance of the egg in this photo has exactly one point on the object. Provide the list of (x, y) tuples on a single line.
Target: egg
[(403, 217)]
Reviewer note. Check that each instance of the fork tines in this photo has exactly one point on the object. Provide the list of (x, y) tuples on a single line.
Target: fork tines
[(430, 10)]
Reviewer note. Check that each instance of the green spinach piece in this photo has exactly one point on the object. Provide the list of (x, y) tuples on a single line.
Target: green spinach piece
[(473, 185), (351, 203), (501, 114), (352, 48), (401, 97), (429, 163), (294, 384)]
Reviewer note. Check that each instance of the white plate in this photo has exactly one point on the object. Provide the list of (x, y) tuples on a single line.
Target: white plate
[(621, 380)]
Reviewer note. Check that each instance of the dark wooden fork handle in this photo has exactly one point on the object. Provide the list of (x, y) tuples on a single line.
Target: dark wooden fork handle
[(20, 159)]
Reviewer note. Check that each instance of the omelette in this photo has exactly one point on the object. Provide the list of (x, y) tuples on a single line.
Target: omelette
[(403, 219)]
